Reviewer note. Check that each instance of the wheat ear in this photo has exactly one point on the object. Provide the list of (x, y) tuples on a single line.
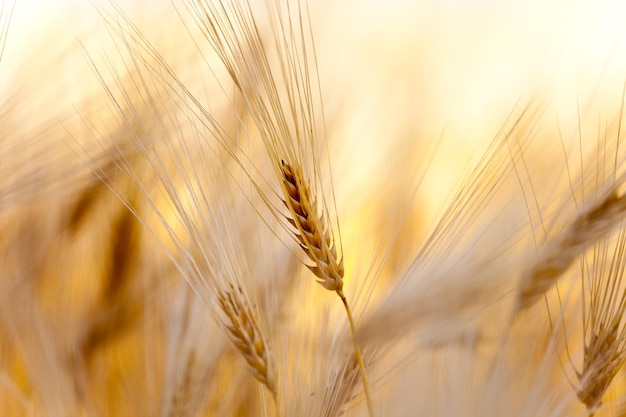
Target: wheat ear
[(604, 305), (245, 333), (558, 255), (314, 235), (313, 232), (603, 356)]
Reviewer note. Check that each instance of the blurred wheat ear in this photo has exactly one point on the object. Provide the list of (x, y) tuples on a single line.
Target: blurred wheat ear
[(591, 225), (604, 333)]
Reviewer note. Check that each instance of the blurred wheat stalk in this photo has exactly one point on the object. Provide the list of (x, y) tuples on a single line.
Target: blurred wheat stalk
[(169, 185)]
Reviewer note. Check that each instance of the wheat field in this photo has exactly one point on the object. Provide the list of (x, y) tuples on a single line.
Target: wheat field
[(324, 208)]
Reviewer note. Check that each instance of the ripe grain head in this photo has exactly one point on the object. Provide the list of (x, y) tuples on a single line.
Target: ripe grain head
[(313, 231), (246, 335), (603, 356)]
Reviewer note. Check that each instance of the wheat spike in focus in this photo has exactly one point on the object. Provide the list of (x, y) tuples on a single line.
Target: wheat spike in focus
[(313, 231)]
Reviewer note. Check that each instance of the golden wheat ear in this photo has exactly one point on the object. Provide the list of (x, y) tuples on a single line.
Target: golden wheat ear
[(603, 309), (246, 335), (313, 231)]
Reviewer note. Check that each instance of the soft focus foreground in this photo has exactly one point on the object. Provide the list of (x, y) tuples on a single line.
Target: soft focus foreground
[(174, 182)]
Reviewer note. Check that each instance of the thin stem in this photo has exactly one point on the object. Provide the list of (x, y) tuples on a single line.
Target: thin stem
[(359, 357), (277, 404)]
